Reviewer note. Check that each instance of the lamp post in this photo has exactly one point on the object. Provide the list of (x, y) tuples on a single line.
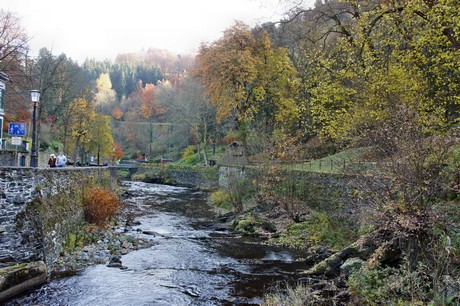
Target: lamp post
[(35, 96)]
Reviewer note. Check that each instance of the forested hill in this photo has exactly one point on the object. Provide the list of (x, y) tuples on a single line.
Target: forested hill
[(148, 66)]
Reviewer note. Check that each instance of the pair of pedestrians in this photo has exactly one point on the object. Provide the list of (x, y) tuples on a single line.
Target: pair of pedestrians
[(59, 161)]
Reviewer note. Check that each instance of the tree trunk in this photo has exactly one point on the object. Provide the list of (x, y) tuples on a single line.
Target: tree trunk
[(205, 140)]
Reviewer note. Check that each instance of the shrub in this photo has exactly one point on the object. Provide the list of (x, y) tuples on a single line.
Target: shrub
[(100, 204), (141, 177), (425, 282), (222, 199), (374, 286), (248, 225), (291, 296), (188, 154)]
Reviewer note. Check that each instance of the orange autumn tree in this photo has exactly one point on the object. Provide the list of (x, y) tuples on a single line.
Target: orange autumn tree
[(117, 113), (246, 76), (118, 151), (150, 107)]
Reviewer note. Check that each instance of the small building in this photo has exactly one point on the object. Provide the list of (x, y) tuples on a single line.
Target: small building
[(235, 155)]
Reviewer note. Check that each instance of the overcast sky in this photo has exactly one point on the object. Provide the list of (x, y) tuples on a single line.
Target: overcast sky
[(101, 28)]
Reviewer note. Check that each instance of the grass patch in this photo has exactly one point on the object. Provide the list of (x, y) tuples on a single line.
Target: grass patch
[(349, 160), (190, 156), (290, 296)]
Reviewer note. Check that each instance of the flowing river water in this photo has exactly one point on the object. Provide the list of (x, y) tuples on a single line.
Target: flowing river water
[(192, 260)]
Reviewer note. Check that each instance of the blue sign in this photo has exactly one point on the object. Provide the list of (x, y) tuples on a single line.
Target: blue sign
[(17, 129)]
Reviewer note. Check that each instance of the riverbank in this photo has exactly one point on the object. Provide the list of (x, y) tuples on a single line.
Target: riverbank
[(193, 258), (93, 245)]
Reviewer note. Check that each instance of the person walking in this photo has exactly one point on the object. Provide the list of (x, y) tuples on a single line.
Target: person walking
[(61, 160), (52, 161)]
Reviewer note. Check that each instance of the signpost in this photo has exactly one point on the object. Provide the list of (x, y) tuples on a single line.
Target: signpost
[(17, 130), (16, 141)]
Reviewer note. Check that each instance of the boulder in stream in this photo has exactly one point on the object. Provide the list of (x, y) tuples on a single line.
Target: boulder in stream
[(115, 262)]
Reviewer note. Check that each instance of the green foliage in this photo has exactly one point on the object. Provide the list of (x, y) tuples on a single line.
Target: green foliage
[(222, 199), (374, 286), (124, 173), (355, 70), (240, 189), (70, 243), (248, 225), (152, 176), (79, 238), (140, 177), (124, 76), (188, 155), (55, 145), (403, 286)]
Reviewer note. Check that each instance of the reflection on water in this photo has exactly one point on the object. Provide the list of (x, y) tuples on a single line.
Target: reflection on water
[(188, 264)]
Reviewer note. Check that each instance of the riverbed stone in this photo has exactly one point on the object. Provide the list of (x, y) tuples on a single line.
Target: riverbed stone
[(115, 262), (363, 248), (349, 265)]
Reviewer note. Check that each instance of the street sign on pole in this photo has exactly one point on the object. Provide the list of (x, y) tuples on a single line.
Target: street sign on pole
[(16, 141), (17, 129)]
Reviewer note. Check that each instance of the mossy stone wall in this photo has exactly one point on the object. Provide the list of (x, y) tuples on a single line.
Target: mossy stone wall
[(40, 207)]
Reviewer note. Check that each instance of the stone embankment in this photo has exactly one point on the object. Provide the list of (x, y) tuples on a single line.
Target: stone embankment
[(39, 208)]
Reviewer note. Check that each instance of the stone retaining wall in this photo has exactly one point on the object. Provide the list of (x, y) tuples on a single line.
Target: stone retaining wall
[(7, 158), (201, 177), (40, 207), (338, 193)]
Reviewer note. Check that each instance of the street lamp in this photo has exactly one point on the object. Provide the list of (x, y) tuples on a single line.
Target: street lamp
[(35, 96)]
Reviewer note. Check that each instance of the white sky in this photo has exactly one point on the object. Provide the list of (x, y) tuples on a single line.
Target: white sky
[(101, 28)]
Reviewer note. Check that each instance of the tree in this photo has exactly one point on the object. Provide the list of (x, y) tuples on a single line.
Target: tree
[(117, 113), (13, 42), (16, 64), (60, 81), (100, 141), (118, 152), (80, 126), (361, 60), (243, 75), (105, 97), (194, 109)]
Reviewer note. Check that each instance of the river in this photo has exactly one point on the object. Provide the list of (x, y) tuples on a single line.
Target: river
[(193, 260)]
